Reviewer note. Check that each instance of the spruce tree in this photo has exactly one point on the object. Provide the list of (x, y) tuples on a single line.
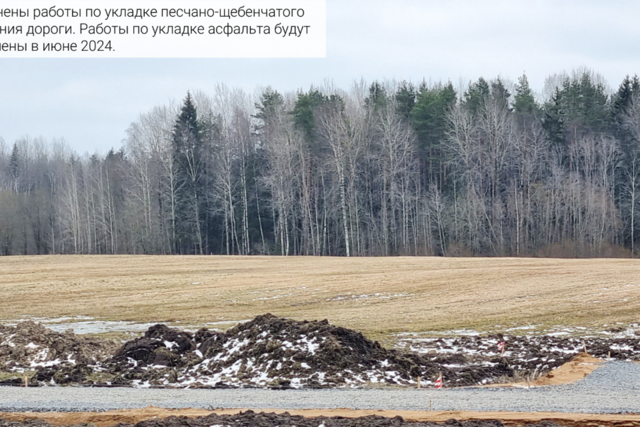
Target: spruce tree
[(303, 112), (429, 120), (405, 99), (475, 96), (377, 98), (188, 153), (524, 101), (553, 121)]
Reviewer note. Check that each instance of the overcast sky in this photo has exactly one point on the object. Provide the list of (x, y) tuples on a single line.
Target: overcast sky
[(90, 103)]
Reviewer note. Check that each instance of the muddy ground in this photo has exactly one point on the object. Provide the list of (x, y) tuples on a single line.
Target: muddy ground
[(338, 417), (274, 352), (263, 419)]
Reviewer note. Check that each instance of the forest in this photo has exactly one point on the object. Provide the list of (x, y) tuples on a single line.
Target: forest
[(488, 168)]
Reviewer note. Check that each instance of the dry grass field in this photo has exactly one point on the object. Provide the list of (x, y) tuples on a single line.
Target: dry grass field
[(378, 296)]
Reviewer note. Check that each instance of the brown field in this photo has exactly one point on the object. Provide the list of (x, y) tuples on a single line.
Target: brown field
[(378, 296)]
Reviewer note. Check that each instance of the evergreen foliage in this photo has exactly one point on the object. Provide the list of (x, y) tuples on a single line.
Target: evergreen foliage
[(386, 170), (524, 100)]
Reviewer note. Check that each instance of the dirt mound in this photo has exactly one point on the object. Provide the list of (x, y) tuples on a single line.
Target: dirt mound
[(30, 347), (262, 419), (273, 352), (160, 345), (527, 356), (268, 352)]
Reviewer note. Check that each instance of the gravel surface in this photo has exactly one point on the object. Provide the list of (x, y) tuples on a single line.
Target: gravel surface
[(613, 388)]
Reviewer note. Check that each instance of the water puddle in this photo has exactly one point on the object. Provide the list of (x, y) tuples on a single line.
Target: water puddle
[(86, 325), (90, 325)]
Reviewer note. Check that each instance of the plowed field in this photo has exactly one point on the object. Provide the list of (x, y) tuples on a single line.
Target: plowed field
[(377, 296)]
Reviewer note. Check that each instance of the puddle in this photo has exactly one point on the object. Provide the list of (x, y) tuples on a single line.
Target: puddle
[(90, 325), (86, 325), (99, 326)]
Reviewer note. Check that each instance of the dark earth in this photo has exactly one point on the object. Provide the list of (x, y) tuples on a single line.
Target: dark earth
[(274, 352), (253, 419)]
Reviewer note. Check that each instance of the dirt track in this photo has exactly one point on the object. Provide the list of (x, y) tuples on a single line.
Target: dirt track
[(377, 296), (575, 370), (104, 419)]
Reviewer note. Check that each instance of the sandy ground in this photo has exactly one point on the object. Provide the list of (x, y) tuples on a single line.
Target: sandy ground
[(572, 371), (104, 419), (378, 296), (578, 368)]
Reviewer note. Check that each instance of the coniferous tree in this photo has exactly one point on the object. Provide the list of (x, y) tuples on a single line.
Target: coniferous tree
[(475, 96), (377, 98), (499, 93), (554, 119), (188, 153), (621, 104), (367, 172), (429, 120), (524, 101), (405, 100), (303, 112), (585, 104), (269, 108), (14, 167)]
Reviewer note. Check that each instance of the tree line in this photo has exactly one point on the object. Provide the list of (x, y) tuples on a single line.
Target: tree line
[(381, 169)]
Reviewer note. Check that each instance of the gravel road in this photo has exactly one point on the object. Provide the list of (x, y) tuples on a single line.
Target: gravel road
[(613, 388)]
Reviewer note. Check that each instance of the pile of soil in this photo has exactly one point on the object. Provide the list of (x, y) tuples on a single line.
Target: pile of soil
[(268, 352), (273, 352), (61, 357), (527, 356), (250, 418)]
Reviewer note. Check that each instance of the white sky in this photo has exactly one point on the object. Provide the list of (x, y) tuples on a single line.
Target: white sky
[(90, 103)]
